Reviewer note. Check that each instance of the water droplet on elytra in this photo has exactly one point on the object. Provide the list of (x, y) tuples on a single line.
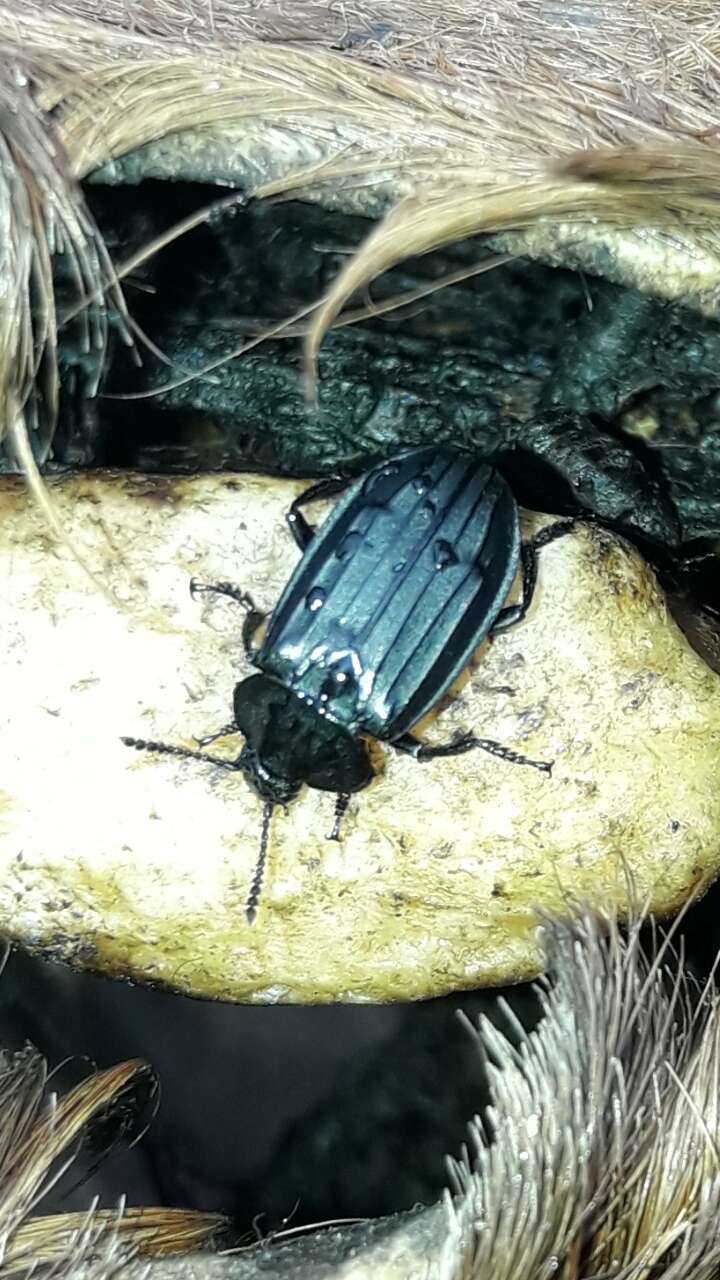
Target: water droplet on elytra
[(349, 545), (315, 599), (422, 483), (381, 485), (398, 568), (444, 554), (342, 677)]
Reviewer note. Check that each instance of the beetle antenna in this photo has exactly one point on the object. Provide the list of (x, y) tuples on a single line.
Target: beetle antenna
[(256, 886)]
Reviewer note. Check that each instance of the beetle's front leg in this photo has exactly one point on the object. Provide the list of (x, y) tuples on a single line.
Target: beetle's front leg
[(341, 803), (460, 745), (254, 617), (243, 598), (226, 732), (300, 528), (515, 613)]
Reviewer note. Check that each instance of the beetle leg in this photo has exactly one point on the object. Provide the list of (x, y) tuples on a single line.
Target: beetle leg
[(514, 613), (251, 623), (226, 732), (301, 530), (254, 617), (409, 745), (697, 557), (341, 803), (237, 594), (462, 743)]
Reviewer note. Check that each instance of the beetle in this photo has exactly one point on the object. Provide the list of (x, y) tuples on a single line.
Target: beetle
[(407, 576)]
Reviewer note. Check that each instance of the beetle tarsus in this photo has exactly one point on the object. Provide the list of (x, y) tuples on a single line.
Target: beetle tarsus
[(300, 528), (462, 743), (243, 598), (254, 617), (226, 732), (512, 757)]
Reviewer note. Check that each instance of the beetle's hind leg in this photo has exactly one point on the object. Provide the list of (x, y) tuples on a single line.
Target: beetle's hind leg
[(300, 528), (460, 745), (515, 613), (254, 617)]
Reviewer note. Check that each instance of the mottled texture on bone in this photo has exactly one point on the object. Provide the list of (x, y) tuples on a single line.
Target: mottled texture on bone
[(139, 866)]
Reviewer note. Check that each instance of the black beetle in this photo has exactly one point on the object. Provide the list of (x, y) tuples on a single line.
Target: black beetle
[(408, 575)]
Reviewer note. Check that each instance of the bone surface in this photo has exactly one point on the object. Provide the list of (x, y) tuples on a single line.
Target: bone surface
[(138, 865)]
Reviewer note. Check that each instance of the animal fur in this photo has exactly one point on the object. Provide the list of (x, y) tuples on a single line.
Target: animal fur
[(39, 1133), (556, 113), (605, 1159)]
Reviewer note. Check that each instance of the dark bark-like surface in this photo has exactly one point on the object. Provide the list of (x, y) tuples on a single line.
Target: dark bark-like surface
[(599, 397)]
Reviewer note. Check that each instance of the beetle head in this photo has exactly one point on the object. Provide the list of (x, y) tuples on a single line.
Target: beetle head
[(288, 744)]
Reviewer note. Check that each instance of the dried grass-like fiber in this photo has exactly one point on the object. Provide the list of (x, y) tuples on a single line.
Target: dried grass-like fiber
[(607, 1152), (605, 1159), (507, 97), (683, 194), (38, 1136), (42, 213), (537, 112)]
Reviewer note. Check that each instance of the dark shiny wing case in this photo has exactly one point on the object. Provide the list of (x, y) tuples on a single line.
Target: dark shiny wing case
[(396, 591)]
